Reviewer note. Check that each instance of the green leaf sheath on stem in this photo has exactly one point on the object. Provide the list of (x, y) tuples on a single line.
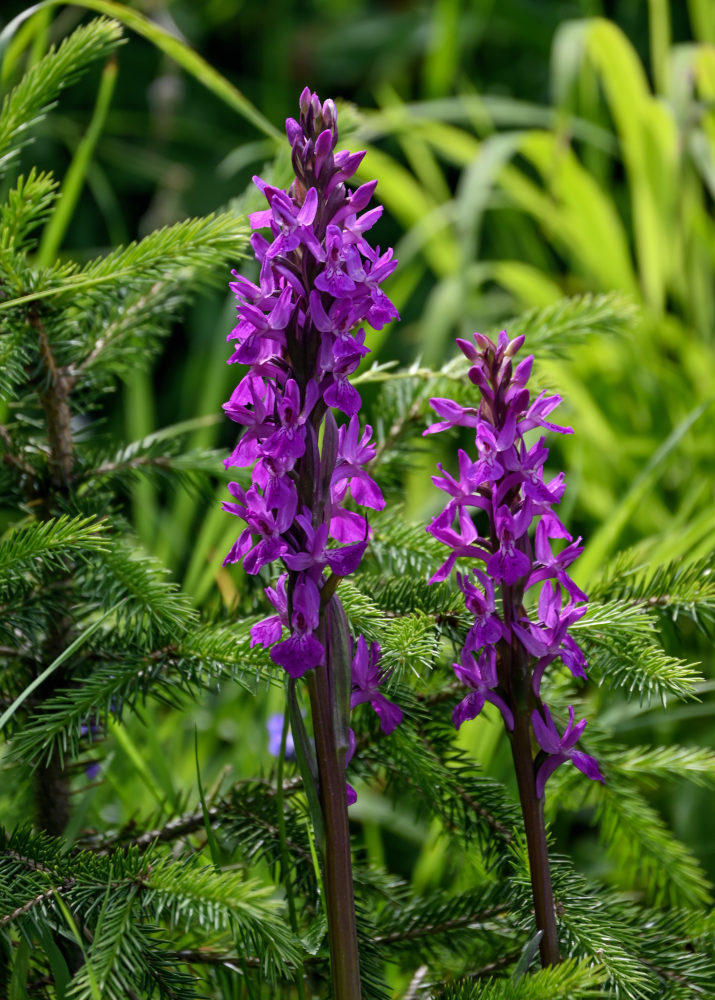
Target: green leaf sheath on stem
[(307, 764), (285, 869)]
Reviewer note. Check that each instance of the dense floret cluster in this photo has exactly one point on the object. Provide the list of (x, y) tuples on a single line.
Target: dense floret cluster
[(498, 496), (299, 331)]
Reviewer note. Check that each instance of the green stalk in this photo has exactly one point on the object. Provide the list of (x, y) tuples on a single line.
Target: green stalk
[(55, 230), (337, 862)]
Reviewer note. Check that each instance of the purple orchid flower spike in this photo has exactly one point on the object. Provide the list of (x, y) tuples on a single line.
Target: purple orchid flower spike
[(301, 331), (507, 648), (560, 749), (505, 482)]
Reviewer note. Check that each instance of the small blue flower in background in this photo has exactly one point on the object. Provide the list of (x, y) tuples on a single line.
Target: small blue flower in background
[(274, 725)]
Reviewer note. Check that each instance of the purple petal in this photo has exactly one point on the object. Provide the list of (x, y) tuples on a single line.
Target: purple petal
[(366, 492), (266, 632), (546, 733), (265, 552), (444, 570), (310, 206), (587, 765), (298, 654), (506, 712), (389, 714), (347, 526), (345, 561), (545, 772), (468, 708), (343, 397), (508, 566), (360, 662)]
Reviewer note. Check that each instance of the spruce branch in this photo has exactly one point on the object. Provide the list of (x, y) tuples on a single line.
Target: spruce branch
[(35, 95), (187, 252)]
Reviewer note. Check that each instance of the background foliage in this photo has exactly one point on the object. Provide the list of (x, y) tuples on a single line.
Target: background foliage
[(525, 152)]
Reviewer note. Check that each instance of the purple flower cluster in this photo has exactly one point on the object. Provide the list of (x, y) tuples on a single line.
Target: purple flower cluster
[(498, 496), (299, 331)]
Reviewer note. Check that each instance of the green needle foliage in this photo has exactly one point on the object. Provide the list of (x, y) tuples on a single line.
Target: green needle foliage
[(150, 880)]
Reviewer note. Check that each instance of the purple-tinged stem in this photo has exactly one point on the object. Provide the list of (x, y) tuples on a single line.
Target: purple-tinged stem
[(337, 875), (518, 677), (533, 813)]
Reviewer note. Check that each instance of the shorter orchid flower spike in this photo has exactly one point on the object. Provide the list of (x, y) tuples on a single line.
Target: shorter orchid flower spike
[(500, 515)]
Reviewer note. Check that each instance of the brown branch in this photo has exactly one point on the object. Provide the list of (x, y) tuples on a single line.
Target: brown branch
[(475, 806), (55, 402), (51, 780), (181, 826), (40, 898), (206, 956), (35, 866), (18, 654), (10, 459), (670, 974), (111, 330), (447, 925)]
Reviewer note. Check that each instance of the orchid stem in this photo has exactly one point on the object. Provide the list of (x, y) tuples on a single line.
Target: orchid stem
[(533, 812), (517, 678), (337, 862)]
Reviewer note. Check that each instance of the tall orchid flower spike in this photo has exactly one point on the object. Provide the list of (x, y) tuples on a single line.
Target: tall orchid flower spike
[(507, 648), (300, 331)]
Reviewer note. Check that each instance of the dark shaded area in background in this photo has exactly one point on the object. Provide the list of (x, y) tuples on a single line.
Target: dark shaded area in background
[(165, 136)]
